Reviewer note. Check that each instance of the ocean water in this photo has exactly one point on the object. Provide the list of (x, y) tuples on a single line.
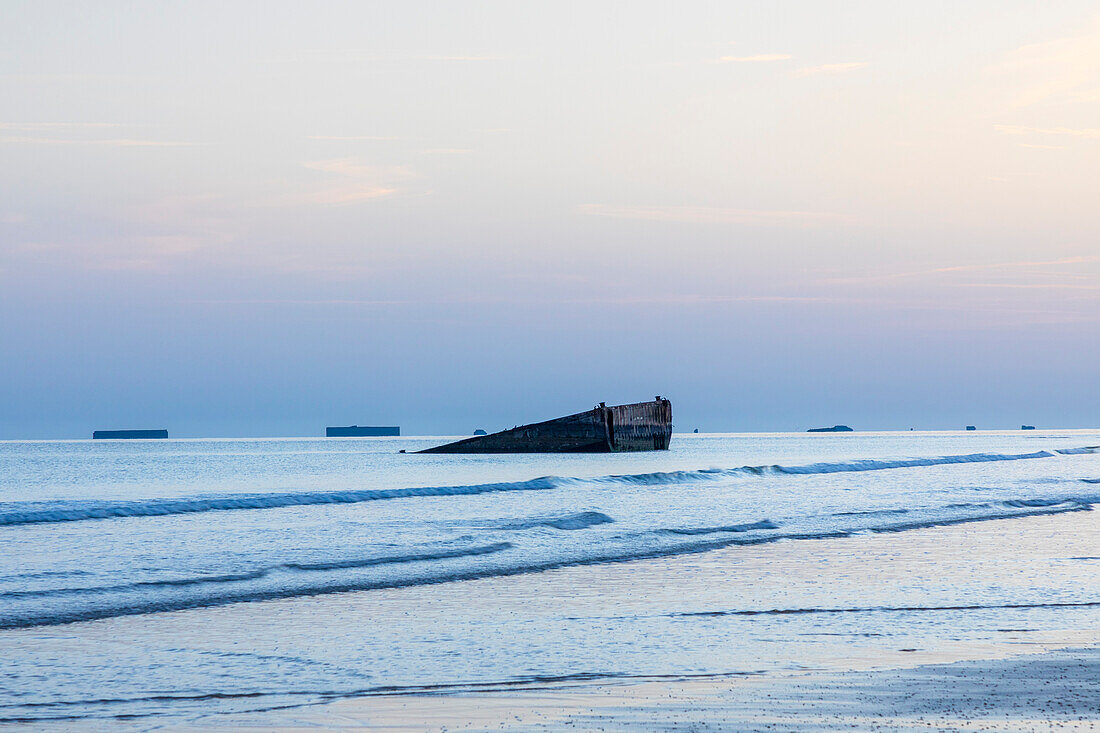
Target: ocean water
[(182, 577)]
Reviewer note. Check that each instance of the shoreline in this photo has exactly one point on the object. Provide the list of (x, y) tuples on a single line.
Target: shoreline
[(980, 679), (1033, 691)]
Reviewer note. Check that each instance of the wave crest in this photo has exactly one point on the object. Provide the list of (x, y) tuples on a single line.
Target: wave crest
[(76, 511)]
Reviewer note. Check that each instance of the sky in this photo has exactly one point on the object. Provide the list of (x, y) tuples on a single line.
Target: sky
[(262, 218)]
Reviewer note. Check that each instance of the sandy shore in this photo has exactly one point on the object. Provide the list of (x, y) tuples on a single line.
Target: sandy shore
[(1049, 691), (1009, 679)]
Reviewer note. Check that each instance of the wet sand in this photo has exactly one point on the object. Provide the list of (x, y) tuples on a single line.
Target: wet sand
[(1010, 679), (1050, 691)]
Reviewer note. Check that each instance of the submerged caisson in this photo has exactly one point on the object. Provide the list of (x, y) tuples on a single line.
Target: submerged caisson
[(362, 431), (128, 434), (637, 427)]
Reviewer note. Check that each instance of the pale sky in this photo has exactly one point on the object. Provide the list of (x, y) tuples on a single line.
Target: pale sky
[(261, 218)]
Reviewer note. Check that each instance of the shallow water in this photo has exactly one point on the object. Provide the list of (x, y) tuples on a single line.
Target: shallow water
[(128, 531)]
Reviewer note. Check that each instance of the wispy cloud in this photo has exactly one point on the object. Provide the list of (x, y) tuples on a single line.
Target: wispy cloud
[(1076, 260), (458, 58), (830, 68), (754, 58), (669, 299), (349, 194), (60, 135), (374, 55), (55, 125), (702, 299), (713, 215), (148, 252), (352, 167), (991, 267), (352, 137), (108, 142), (363, 182), (302, 301), (1060, 71), (1034, 286), (176, 243), (1086, 132)]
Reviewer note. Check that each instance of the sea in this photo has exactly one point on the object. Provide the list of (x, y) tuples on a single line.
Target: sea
[(161, 580)]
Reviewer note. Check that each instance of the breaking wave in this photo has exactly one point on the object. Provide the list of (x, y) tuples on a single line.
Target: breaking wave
[(262, 573), (52, 606), (579, 520), (763, 524), (76, 511)]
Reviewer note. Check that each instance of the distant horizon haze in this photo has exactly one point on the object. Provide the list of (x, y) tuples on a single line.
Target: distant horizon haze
[(311, 433)]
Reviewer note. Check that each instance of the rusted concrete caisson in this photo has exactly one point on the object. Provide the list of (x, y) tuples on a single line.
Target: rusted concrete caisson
[(603, 429)]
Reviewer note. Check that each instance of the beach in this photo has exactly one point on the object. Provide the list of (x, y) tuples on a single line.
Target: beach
[(1036, 691), (913, 654), (1046, 691), (1014, 679)]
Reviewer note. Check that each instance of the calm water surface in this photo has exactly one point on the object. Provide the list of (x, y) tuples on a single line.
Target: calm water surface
[(152, 578)]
